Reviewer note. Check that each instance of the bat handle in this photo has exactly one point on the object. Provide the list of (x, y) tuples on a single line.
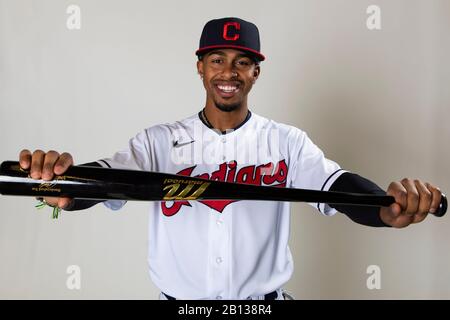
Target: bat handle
[(442, 209)]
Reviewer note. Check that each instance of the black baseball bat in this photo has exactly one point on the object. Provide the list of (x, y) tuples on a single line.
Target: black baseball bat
[(83, 182)]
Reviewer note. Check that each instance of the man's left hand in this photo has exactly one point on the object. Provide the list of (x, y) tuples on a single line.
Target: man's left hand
[(414, 199)]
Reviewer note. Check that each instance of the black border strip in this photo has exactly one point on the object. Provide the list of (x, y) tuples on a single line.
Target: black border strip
[(105, 163), (323, 186)]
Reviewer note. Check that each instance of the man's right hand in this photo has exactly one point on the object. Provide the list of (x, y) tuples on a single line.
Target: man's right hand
[(44, 166)]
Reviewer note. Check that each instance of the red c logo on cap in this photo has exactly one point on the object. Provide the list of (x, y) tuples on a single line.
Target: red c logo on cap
[(236, 25)]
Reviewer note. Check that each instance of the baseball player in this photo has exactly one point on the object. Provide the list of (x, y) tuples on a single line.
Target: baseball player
[(233, 249)]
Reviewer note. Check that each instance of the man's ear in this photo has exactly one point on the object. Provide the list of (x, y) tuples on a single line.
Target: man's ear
[(256, 73), (200, 67)]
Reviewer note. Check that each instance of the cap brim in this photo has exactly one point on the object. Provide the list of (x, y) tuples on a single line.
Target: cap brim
[(254, 53)]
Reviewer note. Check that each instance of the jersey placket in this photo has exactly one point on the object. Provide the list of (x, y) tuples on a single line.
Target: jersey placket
[(220, 260)]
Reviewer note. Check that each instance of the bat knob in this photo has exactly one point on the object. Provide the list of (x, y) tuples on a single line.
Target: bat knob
[(440, 212)]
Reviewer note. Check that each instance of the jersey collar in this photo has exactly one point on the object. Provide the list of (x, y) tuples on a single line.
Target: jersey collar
[(204, 119)]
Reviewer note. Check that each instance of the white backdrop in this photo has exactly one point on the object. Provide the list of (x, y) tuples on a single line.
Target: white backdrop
[(376, 101)]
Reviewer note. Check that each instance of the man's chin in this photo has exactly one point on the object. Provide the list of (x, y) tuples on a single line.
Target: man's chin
[(229, 107)]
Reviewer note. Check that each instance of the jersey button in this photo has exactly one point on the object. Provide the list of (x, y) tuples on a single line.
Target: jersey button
[(224, 140), (219, 297), (219, 222), (219, 260)]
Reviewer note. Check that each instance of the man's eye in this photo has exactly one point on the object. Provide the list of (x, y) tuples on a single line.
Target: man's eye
[(243, 63), (217, 60)]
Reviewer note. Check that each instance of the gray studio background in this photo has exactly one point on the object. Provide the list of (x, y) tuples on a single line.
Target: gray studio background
[(377, 102)]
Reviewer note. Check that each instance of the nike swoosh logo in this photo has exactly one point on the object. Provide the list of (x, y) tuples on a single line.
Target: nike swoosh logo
[(177, 144)]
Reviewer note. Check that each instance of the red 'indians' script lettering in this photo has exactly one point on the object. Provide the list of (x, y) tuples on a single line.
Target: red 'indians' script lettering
[(266, 174)]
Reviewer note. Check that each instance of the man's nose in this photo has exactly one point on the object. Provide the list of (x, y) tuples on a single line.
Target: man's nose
[(229, 71)]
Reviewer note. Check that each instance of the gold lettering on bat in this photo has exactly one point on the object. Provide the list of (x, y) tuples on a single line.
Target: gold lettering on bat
[(73, 178), (46, 187), (170, 194), (186, 181), (183, 194), (197, 193)]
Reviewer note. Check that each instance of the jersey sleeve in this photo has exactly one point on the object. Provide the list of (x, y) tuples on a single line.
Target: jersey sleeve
[(135, 157), (311, 169)]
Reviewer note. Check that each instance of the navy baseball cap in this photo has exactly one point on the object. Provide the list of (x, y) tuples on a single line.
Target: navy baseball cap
[(231, 33)]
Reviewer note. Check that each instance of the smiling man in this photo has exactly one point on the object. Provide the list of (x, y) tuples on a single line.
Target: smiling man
[(234, 249), (229, 66)]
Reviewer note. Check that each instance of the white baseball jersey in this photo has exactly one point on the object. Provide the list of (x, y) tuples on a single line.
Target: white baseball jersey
[(224, 249)]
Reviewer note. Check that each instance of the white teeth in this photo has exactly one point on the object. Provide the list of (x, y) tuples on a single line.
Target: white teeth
[(227, 88)]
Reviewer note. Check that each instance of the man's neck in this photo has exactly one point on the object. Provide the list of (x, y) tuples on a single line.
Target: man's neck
[(224, 121)]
